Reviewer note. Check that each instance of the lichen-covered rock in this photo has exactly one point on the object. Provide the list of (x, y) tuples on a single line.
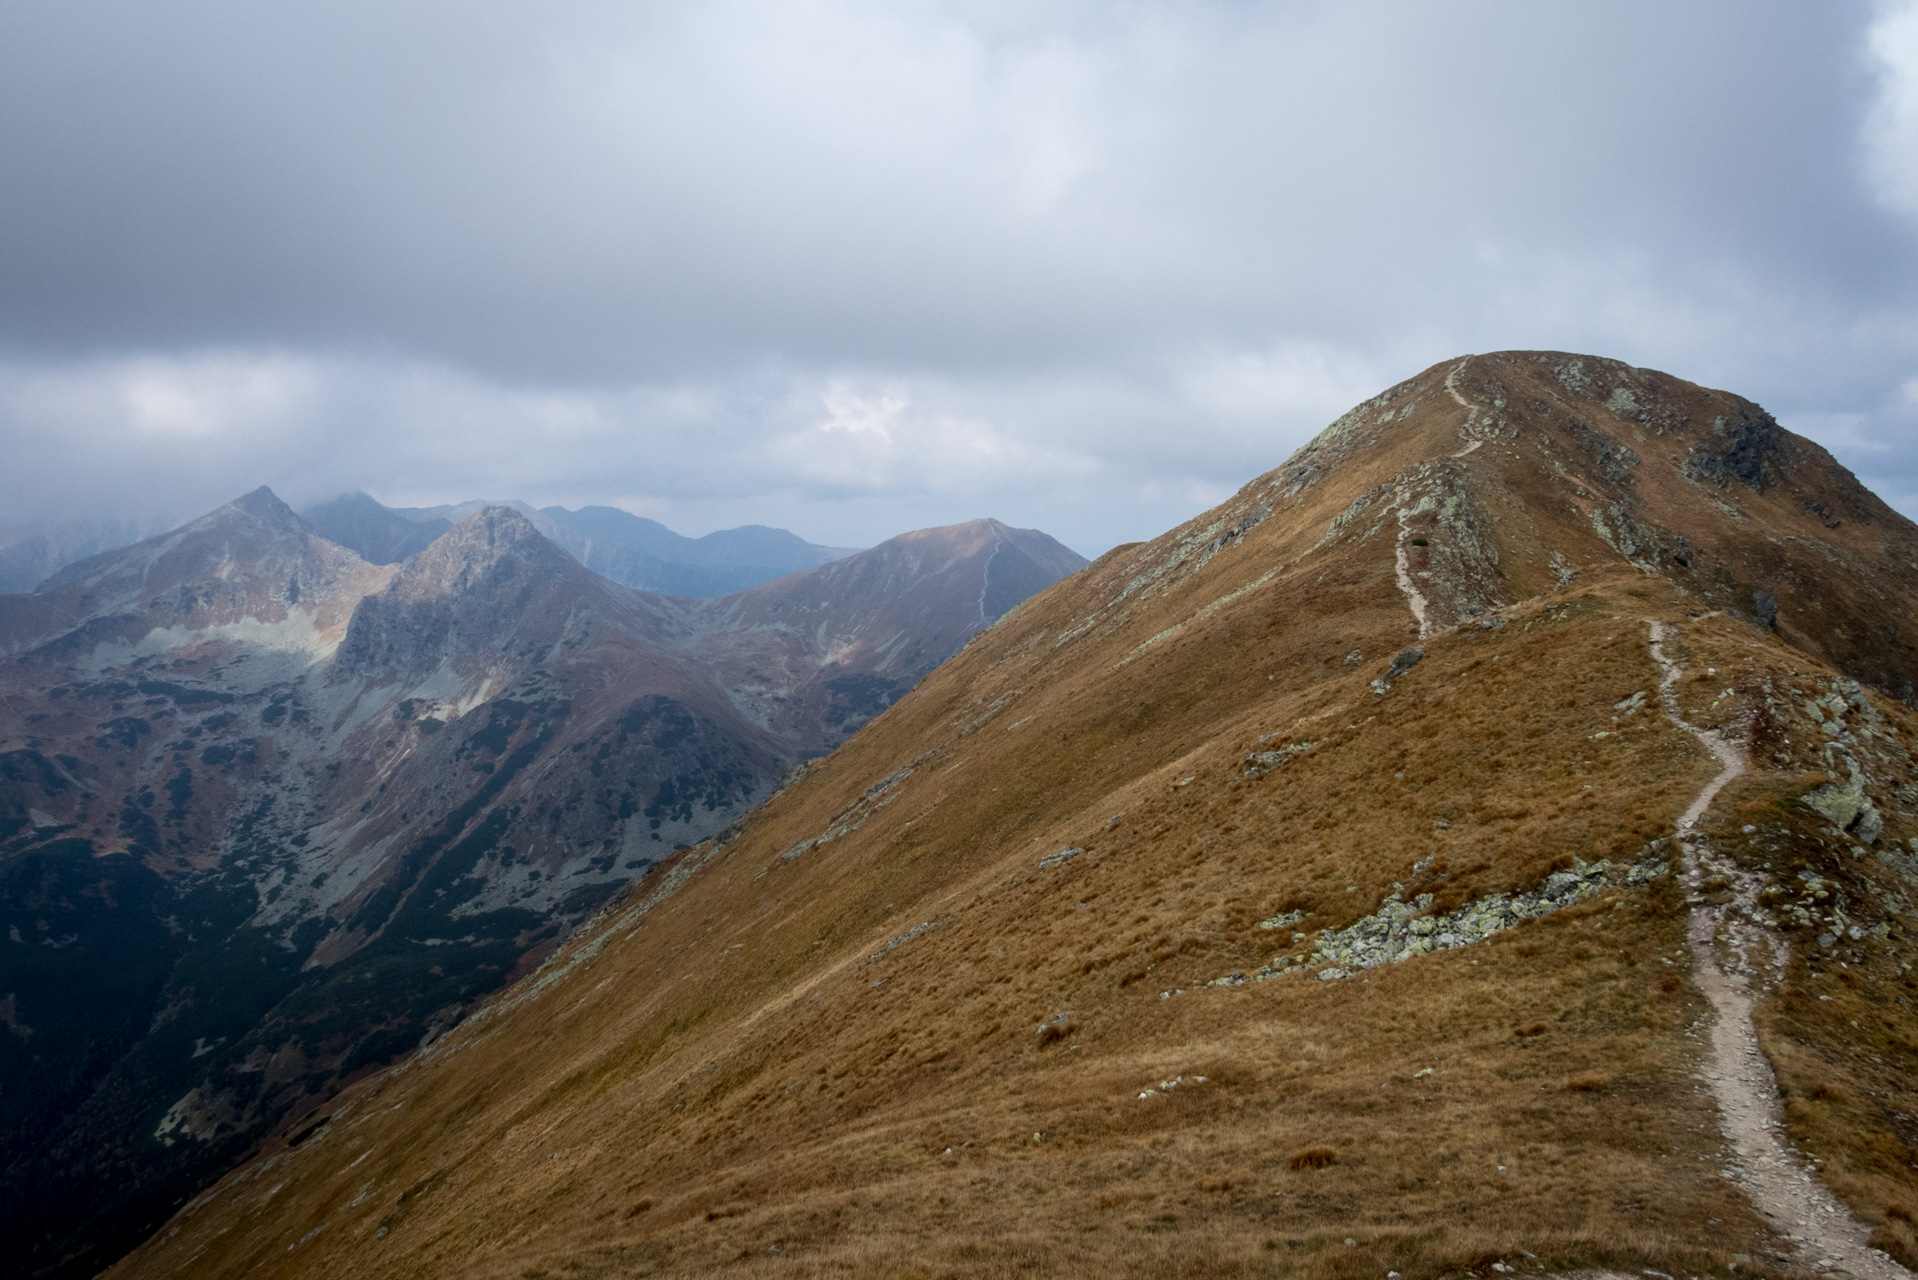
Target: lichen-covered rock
[(1058, 1026), (1260, 763), (1399, 929)]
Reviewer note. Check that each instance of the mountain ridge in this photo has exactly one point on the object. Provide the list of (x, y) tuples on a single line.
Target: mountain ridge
[(628, 549), (1307, 889)]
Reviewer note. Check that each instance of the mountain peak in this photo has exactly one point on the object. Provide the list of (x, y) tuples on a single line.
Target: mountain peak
[(466, 590), (253, 558), (477, 546), (1496, 478), (265, 505), (497, 527)]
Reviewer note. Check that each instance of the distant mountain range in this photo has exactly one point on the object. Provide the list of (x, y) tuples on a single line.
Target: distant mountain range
[(631, 550), (273, 813)]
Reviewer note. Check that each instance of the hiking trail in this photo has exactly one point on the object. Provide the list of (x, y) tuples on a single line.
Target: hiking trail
[(1402, 557), (1780, 1183), (1471, 410)]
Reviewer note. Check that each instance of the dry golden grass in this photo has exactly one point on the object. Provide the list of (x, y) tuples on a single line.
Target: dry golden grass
[(833, 1065), (909, 1119)]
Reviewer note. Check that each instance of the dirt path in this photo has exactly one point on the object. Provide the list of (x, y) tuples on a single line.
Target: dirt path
[(1402, 557), (1402, 569), (1779, 1181), (1471, 410)]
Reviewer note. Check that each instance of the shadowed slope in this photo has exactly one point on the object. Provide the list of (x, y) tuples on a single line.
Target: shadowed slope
[(379, 534), (814, 655)]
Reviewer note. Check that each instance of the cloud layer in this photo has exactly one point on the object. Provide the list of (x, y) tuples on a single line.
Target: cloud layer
[(857, 267)]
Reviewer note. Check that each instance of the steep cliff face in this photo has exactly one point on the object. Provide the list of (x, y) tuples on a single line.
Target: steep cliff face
[(271, 816), (1343, 883)]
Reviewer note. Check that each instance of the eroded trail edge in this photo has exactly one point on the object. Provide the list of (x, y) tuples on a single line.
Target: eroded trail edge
[(1780, 1183), (1402, 571), (1402, 558)]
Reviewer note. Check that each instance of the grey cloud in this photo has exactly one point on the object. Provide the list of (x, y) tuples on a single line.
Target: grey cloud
[(1109, 259)]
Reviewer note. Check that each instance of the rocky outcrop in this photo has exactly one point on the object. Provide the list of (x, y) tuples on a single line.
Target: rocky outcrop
[(1744, 446), (1400, 930)]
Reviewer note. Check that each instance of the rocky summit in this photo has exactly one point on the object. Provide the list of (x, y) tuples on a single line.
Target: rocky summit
[(272, 816), (1486, 844)]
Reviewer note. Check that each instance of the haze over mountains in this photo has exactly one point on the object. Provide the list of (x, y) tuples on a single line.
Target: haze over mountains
[(272, 813), (30, 554), (1374, 874), (631, 550)]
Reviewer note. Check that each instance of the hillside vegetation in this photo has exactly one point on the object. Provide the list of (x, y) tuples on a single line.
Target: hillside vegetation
[(1073, 962)]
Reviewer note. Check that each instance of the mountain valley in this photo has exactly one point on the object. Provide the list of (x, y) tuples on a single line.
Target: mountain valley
[(272, 815)]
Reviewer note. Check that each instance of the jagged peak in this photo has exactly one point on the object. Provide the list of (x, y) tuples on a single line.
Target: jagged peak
[(495, 525), (494, 542), (493, 533), (265, 506)]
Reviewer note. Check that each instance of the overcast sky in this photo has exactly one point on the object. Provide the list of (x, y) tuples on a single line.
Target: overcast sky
[(854, 268)]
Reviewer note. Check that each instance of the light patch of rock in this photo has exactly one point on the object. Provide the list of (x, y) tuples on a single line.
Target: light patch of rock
[(876, 797), (1401, 929)]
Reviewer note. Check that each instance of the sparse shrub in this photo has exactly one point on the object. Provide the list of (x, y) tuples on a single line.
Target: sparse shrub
[(1314, 1158)]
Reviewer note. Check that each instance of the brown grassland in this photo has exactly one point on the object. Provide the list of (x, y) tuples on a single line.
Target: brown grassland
[(911, 1050)]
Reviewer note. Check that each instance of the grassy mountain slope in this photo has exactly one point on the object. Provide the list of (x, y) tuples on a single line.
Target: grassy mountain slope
[(1058, 966)]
